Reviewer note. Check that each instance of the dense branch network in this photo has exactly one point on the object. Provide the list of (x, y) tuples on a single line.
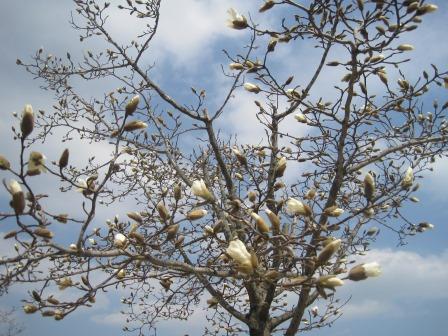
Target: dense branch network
[(216, 216)]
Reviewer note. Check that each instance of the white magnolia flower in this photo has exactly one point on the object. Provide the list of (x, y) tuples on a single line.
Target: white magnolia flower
[(27, 124), (329, 281), (120, 240), (408, 178), (82, 185), (369, 186), (300, 117), (252, 87), (295, 207), (14, 187), (364, 271), (405, 47), (236, 66), (200, 189), (328, 251), (196, 214), (236, 20), (36, 164), (238, 252), (261, 224)]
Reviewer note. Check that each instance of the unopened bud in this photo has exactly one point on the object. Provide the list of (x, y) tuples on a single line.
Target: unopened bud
[(63, 160), (131, 106), (27, 123)]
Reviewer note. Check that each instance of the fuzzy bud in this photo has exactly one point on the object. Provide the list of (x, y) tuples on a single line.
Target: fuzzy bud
[(29, 309), (236, 20), (134, 125), (268, 4), (273, 218), (131, 106), (408, 178), (4, 163), (328, 251), (163, 211), (261, 224), (199, 189), (329, 281), (36, 164), (196, 214), (369, 186), (27, 123), (252, 87), (280, 167), (135, 216), (363, 271)]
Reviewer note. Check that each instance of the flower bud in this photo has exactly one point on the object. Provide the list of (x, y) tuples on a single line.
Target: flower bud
[(280, 167), (252, 195), (63, 160), (329, 281), (171, 231), (310, 194), (163, 211), (328, 251), (408, 178), (196, 214), (18, 197), (43, 232), (261, 224), (36, 164), (65, 283), (208, 230), (131, 106), (369, 186), (236, 20), (27, 123), (29, 309), (273, 218), (134, 126), (236, 66), (405, 47), (268, 4), (121, 274), (240, 157), (300, 117), (422, 227), (333, 211), (427, 8), (363, 271), (177, 192), (199, 189), (238, 252), (297, 208), (120, 240), (135, 216), (4, 163), (252, 87)]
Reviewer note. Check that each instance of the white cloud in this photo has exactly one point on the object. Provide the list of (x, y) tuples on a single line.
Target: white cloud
[(367, 309), (407, 277), (115, 319)]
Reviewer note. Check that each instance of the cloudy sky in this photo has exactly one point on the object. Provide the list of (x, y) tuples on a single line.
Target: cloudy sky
[(409, 299)]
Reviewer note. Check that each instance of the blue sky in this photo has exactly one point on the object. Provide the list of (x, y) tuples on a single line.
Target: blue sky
[(409, 299)]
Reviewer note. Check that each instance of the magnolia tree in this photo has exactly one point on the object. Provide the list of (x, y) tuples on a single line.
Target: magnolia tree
[(260, 232)]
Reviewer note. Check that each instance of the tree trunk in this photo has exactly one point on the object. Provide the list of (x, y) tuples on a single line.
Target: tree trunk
[(259, 331)]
